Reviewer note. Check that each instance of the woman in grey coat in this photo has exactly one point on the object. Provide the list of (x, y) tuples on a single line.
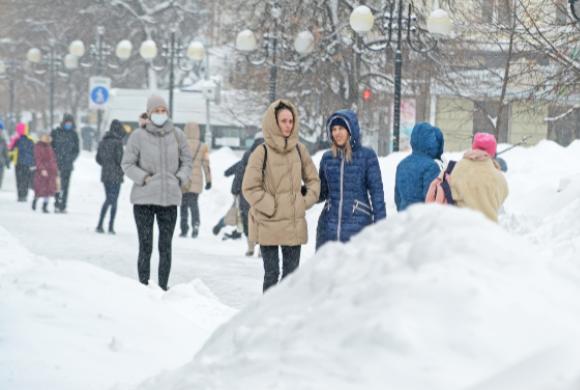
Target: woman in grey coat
[(158, 160)]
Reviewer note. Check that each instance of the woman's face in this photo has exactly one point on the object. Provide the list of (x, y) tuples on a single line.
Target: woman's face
[(45, 138), (339, 135), (286, 122)]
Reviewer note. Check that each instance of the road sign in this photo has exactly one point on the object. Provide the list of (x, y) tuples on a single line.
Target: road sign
[(99, 92)]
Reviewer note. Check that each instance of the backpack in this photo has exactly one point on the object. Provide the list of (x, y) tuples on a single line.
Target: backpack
[(303, 189), (439, 190)]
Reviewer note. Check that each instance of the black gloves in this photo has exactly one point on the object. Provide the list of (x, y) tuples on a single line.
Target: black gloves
[(208, 185)]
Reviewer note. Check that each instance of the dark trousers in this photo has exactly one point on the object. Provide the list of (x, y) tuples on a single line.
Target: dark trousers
[(166, 220), (62, 196), (23, 180), (189, 206), (111, 196), (244, 216), (290, 262)]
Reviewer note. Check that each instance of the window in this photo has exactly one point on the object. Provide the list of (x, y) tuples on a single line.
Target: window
[(496, 11)]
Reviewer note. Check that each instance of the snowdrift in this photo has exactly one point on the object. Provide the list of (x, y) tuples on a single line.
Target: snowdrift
[(434, 298), (68, 325)]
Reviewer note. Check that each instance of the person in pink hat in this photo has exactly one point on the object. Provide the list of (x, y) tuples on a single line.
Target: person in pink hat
[(477, 182)]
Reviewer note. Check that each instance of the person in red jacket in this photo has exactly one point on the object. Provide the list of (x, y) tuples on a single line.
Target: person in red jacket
[(46, 173)]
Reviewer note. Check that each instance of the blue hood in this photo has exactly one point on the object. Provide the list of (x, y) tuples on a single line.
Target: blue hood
[(428, 140), (351, 120)]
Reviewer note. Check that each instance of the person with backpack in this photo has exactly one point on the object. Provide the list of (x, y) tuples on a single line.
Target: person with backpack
[(21, 147), (159, 162), (273, 186), (109, 157), (476, 181), (65, 142), (416, 171), (189, 201), (46, 172), (350, 182)]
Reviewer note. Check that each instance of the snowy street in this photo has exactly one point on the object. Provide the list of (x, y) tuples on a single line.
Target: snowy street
[(68, 291), (221, 265)]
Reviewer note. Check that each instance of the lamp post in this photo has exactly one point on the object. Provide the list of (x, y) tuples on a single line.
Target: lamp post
[(273, 47), (174, 55), (573, 9), (392, 23), (99, 53), (54, 64), (9, 69)]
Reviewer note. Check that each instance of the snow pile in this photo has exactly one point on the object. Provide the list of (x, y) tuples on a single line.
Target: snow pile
[(71, 325), (434, 298)]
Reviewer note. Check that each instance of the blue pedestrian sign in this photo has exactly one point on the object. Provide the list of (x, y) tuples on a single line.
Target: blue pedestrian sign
[(100, 95), (99, 92)]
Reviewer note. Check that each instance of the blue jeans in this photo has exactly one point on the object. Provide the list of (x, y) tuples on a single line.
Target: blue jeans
[(111, 196)]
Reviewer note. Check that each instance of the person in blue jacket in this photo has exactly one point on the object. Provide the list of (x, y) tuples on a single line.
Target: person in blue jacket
[(350, 182), (416, 172)]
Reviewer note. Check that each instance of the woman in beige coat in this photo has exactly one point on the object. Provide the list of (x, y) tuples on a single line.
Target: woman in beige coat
[(477, 182), (273, 186), (189, 201)]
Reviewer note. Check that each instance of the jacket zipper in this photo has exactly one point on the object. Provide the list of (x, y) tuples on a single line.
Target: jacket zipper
[(361, 208), (163, 168), (341, 199)]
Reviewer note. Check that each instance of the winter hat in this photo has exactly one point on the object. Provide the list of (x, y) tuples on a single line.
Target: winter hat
[(116, 128), (155, 101), (258, 135), (485, 142), (338, 121), (43, 132), (21, 128), (68, 118)]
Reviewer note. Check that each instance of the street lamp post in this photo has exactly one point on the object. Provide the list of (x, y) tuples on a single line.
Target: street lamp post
[(393, 22), (54, 64), (9, 69), (175, 55), (273, 46), (573, 9), (99, 52)]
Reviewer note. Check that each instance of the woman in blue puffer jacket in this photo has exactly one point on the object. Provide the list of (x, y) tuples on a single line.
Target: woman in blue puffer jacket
[(416, 172), (350, 182)]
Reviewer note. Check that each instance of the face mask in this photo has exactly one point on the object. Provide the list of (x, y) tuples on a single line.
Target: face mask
[(68, 126), (159, 119)]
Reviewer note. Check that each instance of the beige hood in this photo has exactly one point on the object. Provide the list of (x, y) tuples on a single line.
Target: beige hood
[(272, 133), (192, 131)]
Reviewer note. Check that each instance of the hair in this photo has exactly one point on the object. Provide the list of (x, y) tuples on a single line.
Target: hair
[(281, 107), (346, 149)]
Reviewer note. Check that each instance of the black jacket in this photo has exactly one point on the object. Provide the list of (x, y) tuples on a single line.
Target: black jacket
[(239, 178), (110, 154), (66, 146)]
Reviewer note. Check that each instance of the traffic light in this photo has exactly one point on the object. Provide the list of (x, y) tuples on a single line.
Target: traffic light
[(367, 94)]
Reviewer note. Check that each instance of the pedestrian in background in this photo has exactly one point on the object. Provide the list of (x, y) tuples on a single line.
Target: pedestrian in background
[(159, 162), (46, 172), (416, 171), (109, 157), (200, 170), (4, 158), (21, 147), (65, 142)]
